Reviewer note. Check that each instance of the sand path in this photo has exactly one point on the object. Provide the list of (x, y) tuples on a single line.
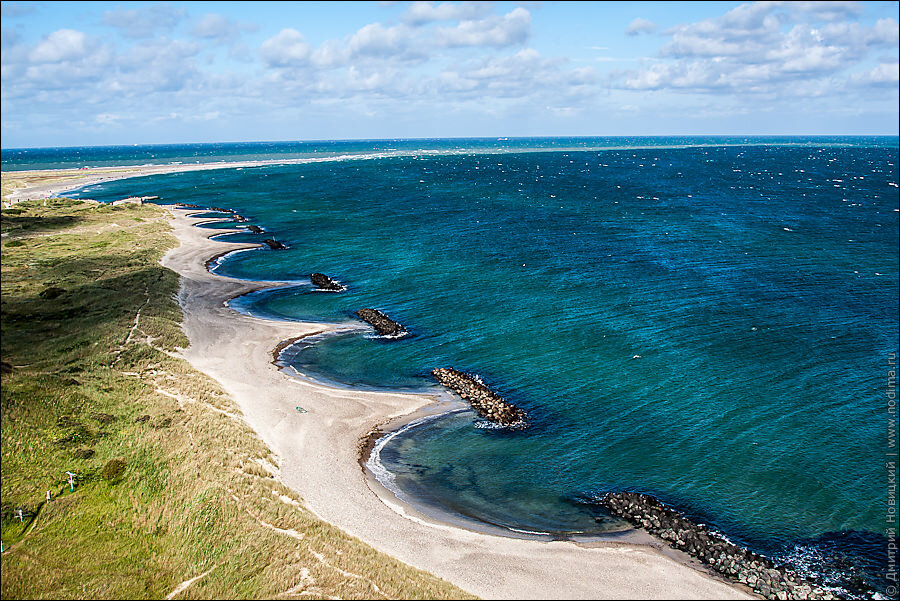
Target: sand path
[(318, 454)]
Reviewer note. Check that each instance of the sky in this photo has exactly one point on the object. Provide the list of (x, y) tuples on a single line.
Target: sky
[(102, 73)]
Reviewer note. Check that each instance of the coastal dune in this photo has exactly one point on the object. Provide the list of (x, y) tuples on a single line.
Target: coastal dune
[(315, 431)]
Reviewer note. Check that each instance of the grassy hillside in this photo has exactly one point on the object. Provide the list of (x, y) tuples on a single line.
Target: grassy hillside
[(174, 495)]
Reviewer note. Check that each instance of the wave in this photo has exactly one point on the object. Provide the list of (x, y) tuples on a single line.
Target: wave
[(850, 563), (381, 473), (216, 262)]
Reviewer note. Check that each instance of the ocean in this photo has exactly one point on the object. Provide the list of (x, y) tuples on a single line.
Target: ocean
[(710, 320)]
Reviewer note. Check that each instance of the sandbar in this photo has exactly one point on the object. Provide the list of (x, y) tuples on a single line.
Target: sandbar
[(49, 183)]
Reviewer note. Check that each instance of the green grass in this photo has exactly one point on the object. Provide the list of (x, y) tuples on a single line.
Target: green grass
[(169, 485)]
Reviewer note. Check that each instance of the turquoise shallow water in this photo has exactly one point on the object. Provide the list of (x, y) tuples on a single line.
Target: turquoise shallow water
[(713, 324)]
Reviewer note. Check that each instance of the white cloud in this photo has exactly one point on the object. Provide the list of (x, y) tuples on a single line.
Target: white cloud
[(71, 71), (159, 66), (425, 12), (494, 31), (411, 41), (886, 32), (60, 46), (885, 75), (220, 29), (526, 75), (329, 55), (832, 10), (212, 26), (776, 48), (639, 26), (288, 48), (377, 40)]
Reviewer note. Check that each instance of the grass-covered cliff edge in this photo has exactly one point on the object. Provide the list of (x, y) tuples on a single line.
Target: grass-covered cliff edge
[(175, 496)]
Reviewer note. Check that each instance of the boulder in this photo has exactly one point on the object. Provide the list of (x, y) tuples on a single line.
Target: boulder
[(383, 324), (323, 282), (274, 244)]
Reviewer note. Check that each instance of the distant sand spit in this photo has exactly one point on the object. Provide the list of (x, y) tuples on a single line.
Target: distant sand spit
[(49, 183)]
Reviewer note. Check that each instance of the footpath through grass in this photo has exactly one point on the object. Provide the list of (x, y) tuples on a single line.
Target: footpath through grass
[(174, 496)]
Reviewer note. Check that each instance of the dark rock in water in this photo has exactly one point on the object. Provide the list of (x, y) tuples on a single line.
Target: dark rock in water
[(485, 401), (187, 205), (741, 565), (240, 218), (323, 282), (275, 244), (255, 229), (383, 324), (52, 292), (221, 210)]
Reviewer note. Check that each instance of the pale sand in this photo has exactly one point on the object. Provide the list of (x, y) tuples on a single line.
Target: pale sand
[(318, 459)]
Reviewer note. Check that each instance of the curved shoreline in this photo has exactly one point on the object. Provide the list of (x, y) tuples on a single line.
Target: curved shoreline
[(318, 451)]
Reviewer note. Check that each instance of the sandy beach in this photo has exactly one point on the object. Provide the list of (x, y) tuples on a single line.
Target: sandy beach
[(318, 459)]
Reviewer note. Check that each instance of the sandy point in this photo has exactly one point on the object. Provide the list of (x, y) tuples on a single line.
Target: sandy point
[(318, 458)]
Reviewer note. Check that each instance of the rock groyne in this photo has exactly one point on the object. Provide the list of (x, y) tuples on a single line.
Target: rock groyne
[(274, 244), (487, 403), (741, 565), (323, 282), (383, 324)]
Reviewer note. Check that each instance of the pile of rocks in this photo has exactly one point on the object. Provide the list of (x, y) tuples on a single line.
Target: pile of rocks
[(255, 229), (744, 566), (485, 401), (323, 282), (383, 324), (275, 244)]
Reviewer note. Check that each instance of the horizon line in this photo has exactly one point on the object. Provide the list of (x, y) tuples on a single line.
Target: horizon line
[(496, 138)]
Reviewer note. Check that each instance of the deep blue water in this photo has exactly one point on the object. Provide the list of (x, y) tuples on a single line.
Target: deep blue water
[(711, 320)]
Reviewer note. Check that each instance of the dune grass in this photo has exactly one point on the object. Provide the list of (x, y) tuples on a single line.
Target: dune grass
[(174, 494)]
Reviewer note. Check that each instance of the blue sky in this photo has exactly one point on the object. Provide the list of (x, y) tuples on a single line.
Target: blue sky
[(95, 73)]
